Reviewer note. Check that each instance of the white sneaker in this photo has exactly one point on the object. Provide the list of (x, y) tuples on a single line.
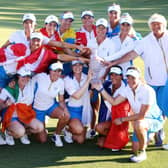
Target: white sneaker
[(139, 158), (67, 136), (165, 146), (25, 140), (115, 150), (90, 134), (9, 139), (2, 140), (57, 140)]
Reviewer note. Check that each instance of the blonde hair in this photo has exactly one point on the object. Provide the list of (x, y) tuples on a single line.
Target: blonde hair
[(157, 18)]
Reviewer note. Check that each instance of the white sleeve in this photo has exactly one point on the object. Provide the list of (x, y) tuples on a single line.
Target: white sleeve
[(62, 88), (139, 47), (124, 50), (69, 86), (3, 95)]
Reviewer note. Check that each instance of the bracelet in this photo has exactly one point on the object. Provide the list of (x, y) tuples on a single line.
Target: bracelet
[(101, 90)]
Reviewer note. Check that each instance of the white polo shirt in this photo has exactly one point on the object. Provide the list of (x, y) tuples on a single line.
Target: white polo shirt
[(20, 37), (47, 91), (27, 94), (120, 49), (91, 39), (150, 51), (115, 94), (71, 86), (4, 95), (144, 95), (105, 49)]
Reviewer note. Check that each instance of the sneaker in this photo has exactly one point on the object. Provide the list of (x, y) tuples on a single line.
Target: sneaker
[(9, 139), (25, 140), (57, 140), (67, 136), (90, 134), (159, 137), (2, 140), (141, 156), (115, 150), (165, 146)]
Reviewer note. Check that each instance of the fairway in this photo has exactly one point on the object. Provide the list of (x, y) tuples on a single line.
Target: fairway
[(87, 155)]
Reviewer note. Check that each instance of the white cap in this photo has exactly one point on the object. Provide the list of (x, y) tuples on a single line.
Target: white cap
[(51, 18), (102, 21), (37, 35), (67, 15), (24, 72), (116, 70), (29, 16), (56, 66), (126, 18), (114, 7), (157, 18), (87, 12), (133, 72), (77, 62)]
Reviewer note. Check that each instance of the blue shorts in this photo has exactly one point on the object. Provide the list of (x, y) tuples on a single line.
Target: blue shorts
[(40, 114), (75, 112), (154, 125), (12, 119), (159, 92), (135, 139), (15, 119)]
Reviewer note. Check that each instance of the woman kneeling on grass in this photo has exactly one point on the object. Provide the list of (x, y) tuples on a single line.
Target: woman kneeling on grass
[(76, 85), (49, 88), (146, 117), (19, 116), (113, 136)]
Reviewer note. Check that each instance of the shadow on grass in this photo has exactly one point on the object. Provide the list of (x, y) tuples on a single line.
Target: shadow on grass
[(43, 155)]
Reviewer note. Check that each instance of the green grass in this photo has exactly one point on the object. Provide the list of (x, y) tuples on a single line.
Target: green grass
[(74, 155)]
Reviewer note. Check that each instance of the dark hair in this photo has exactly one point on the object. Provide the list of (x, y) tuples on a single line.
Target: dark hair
[(117, 66), (134, 68)]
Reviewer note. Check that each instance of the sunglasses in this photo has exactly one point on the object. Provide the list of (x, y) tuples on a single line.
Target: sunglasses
[(125, 24)]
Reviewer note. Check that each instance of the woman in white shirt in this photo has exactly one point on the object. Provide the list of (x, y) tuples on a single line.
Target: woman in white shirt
[(76, 85), (19, 115), (146, 114), (123, 43), (107, 114), (48, 88)]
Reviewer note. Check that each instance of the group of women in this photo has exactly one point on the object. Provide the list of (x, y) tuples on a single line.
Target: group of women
[(34, 84)]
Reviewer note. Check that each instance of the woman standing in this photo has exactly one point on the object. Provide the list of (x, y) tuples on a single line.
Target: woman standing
[(123, 43)]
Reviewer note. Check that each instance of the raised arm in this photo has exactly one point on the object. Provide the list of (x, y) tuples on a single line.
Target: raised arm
[(79, 93), (62, 44), (65, 57), (130, 56), (113, 101)]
